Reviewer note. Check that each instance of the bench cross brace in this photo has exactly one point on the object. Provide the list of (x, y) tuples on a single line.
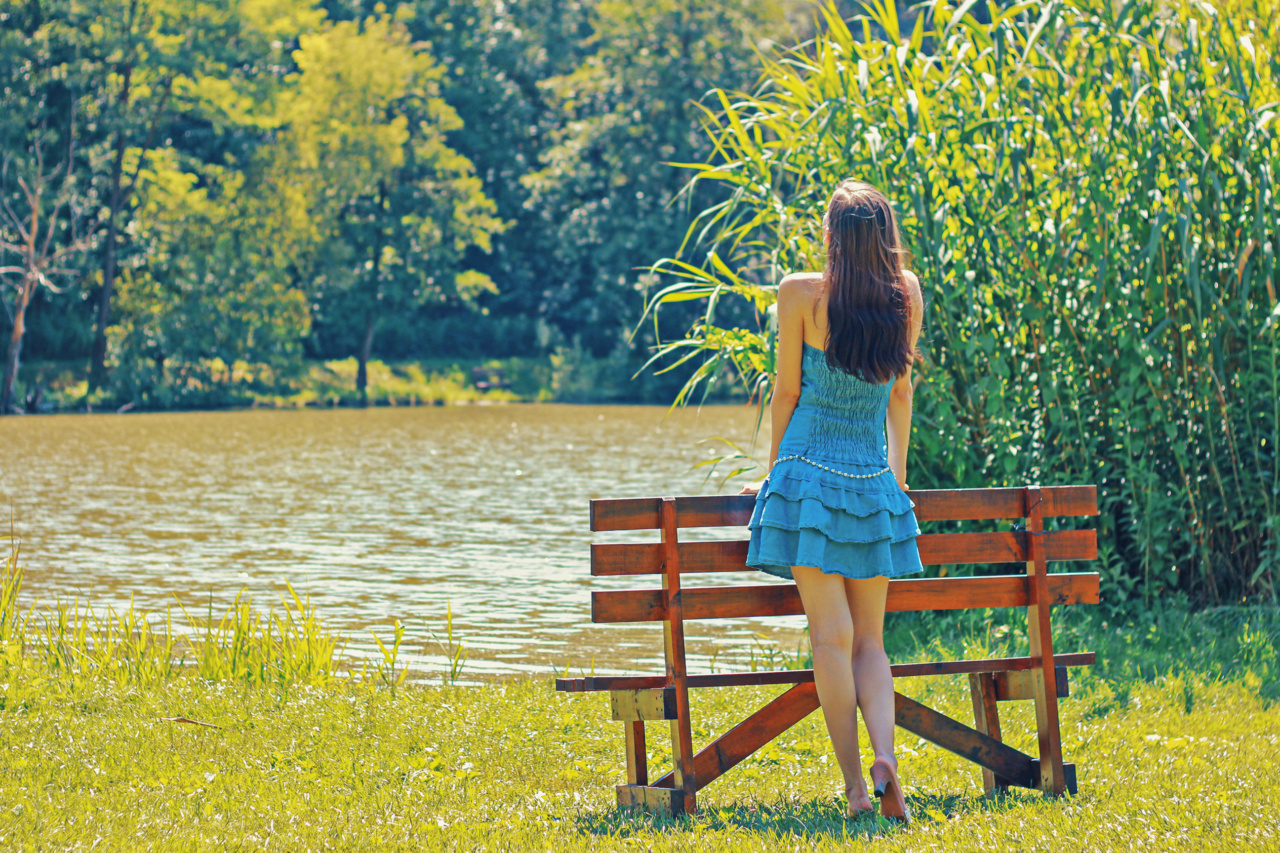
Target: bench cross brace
[(1006, 764)]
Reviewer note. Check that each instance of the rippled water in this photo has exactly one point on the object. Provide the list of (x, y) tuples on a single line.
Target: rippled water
[(380, 515)]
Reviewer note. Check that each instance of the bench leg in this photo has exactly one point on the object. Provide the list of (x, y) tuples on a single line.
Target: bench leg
[(637, 759), (986, 715), (677, 673), (1053, 778)]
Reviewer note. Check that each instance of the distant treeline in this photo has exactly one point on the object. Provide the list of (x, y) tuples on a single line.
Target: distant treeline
[(200, 196)]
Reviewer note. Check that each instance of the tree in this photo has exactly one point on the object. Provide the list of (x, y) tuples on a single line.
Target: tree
[(607, 188), (43, 223), (211, 312), (149, 59), (395, 206), (1092, 218), (40, 223)]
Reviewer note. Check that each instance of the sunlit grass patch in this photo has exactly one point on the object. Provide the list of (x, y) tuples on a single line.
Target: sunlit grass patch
[(516, 766), (1175, 736)]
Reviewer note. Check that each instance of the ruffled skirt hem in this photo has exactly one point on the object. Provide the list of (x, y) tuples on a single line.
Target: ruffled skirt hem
[(852, 528)]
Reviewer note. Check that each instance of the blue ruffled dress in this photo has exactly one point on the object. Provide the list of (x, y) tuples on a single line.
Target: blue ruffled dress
[(830, 501)]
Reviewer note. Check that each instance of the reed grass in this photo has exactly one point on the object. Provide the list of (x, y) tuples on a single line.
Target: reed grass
[(284, 646), (1089, 191)]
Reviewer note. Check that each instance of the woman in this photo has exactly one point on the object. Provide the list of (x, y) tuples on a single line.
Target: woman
[(833, 512)]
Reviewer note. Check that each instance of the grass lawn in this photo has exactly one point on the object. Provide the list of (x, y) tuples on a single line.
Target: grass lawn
[(1167, 759)]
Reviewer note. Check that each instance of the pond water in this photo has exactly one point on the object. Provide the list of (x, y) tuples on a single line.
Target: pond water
[(378, 515)]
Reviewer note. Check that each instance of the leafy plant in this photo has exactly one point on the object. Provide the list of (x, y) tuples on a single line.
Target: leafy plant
[(388, 674), (455, 652)]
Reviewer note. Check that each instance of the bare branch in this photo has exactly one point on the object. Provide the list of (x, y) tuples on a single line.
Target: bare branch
[(15, 220)]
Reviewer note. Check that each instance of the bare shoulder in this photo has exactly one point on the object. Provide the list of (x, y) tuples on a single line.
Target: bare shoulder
[(799, 289), (913, 288)]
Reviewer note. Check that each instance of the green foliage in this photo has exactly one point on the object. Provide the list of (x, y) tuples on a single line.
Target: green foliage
[(76, 641), (627, 112), (211, 291), (394, 208), (453, 649), (269, 179), (1089, 191)]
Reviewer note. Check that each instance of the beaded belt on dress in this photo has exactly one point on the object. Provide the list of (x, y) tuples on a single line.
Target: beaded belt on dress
[(832, 470)]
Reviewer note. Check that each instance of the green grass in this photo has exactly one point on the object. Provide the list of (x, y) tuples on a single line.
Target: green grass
[(260, 741), (517, 767)]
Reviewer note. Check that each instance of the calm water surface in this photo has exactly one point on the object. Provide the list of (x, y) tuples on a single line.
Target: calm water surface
[(380, 515)]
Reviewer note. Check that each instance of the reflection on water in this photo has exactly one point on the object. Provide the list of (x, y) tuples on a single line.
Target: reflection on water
[(380, 515)]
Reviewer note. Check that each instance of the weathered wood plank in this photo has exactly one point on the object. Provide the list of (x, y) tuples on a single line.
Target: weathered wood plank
[(637, 756), (980, 504), (691, 511), (677, 669), (736, 602), (1068, 773), (946, 549), (986, 715), (752, 733), (931, 505), (1013, 686), (1040, 639), (667, 801), (800, 676), (655, 704), (609, 559), (936, 549), (1004, 761)]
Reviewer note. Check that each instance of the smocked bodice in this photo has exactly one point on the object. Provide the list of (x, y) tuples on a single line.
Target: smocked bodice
[(839, 418), (830, 501)]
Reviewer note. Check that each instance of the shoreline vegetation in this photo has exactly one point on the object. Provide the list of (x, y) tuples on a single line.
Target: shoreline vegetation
[(60, 387), (261, 737)]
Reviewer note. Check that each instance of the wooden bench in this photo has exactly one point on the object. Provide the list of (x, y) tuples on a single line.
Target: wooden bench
[(1040, 677)]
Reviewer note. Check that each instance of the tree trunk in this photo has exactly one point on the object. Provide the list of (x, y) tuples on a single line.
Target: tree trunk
[(98, 362), (362, 371), (366, 345), (15, 348)]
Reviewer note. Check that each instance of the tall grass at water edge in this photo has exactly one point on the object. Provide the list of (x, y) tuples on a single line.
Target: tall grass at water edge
[(287, 646), (1089, 189), (284, 646)]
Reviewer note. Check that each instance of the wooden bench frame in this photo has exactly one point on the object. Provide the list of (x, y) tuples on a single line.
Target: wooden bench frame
[(1040, 676)]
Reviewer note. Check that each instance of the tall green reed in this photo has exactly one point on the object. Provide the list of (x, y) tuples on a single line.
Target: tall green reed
[(283, 646), (1089, 191)]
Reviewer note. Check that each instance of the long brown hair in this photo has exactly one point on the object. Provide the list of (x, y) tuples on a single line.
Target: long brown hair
[(868, 309)]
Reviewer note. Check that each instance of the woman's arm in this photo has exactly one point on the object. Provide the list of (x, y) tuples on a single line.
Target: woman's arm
[(794, 298), (898, 419)]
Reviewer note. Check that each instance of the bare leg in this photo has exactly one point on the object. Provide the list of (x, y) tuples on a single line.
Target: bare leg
[(831, 633), (871, 674)]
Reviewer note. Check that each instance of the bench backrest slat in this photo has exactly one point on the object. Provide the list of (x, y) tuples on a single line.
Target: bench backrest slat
[(736, 602), (936, 549), (931, 505)]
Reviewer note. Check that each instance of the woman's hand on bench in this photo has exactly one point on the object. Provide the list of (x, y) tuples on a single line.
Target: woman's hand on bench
[(750, 489)]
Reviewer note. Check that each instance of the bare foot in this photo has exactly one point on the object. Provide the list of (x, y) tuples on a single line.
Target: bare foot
[(859, 799)]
